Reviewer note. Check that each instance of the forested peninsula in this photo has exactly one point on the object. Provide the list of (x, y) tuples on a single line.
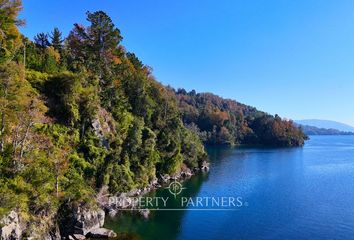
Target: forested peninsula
[(79, 114)]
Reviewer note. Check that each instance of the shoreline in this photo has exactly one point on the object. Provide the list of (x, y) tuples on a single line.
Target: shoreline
[(113, 204)]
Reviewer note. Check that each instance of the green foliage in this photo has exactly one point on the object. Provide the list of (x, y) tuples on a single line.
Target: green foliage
[(36, 79), (13, 195), (64, 90), (94, 47), (51, 60), (72, 98), (121, 178), (277, 132), (76, 188), (80, 113), (223, 121), (9, 34), (41, 40), (193, 154), (56, 39), (42, 58)]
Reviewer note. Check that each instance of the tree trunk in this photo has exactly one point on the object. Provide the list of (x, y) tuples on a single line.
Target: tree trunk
[(24, 139), (57, 185), (2, 131)]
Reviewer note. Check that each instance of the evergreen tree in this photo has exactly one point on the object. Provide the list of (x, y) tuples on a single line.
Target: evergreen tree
[(41, 40), (104, 38), (56, 39), (97, 46), (104, 121)]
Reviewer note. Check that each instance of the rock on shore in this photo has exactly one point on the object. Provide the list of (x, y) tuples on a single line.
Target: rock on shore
[(11, 226)]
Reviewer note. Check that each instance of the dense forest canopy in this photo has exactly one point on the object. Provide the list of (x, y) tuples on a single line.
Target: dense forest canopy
[(81, 112), (224, 121)]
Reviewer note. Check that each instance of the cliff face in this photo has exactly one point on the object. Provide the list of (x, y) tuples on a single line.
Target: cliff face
[(14, 227), (80, 220), (75, 223)]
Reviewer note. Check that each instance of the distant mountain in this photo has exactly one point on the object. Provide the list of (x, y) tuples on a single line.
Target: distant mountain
[(327, 124), (311, 130)]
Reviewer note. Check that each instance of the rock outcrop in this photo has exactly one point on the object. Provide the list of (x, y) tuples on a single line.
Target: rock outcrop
[(11, 227), (101, 233), (77, 237), (103, 126), (205, 166), (113, 204), (88, 220), (80, 220), (42, 230), (144, 213)]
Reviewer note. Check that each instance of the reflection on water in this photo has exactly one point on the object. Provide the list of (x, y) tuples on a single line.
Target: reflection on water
[(294, 193), (161, 224)]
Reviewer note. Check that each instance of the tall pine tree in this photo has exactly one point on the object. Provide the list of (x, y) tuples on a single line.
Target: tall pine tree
[(56, 39)]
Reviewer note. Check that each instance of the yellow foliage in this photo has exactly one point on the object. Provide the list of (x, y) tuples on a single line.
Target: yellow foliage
[(10, 37), (53, 53)]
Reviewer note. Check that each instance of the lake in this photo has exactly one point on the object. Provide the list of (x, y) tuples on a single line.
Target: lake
[(291, 193)]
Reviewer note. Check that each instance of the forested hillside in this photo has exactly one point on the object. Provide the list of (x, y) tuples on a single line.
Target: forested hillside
[(82, 112), (224, 121), (311, 130)]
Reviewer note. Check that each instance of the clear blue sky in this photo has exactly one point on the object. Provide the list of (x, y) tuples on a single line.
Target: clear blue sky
[(294, 58)]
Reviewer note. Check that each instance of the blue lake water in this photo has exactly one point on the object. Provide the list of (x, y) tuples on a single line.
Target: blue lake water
[(294, 193)]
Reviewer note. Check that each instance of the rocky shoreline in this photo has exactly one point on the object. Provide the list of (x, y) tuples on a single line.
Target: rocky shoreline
[(112, 204), (82, 222)]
